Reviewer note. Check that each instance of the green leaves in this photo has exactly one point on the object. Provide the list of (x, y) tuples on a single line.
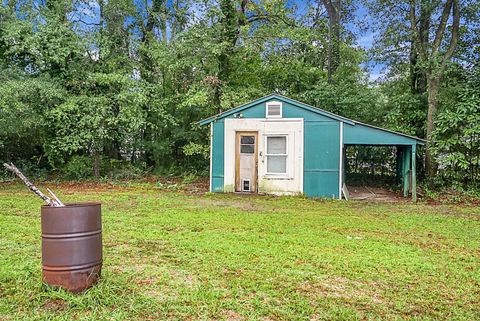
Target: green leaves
[(457, 137)]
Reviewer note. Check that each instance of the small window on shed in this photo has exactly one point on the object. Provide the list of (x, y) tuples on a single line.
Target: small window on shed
[(274, 109), (276, 154)]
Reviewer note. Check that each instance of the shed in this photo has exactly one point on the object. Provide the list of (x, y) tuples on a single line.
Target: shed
[(279, 145)]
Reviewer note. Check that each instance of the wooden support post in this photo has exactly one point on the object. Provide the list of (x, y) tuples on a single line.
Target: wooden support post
[(406, 167), (414, 173), (345, 164)]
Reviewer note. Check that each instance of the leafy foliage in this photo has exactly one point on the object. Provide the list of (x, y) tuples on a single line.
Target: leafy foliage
[(457, 137)]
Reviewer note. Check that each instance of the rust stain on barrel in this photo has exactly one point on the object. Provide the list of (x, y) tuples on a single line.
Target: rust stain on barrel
[(72, 245)]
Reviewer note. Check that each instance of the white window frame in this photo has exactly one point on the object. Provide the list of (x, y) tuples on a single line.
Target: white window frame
[(286, 155), (275, 103)]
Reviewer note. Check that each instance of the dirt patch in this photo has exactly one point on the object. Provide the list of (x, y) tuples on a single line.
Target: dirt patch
[(52, 305), (197, 187), (343, 288), (186, 279), (233, 273), (454, 198), (241, 205), (232, 315), (146, 282), (380, 194)]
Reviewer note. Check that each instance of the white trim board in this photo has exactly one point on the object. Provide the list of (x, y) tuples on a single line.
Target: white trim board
[(340, 168), (211, 156)]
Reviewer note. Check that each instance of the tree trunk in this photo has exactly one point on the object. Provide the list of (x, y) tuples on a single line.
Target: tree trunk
[(436, 59), (164, 21), (333, 54), (417, 73), (228, 36), (32, 187), (418, 76), (152, 14), (96, 164), (433, 88)]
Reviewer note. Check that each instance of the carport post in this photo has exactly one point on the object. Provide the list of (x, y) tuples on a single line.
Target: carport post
[(398, 165), (406, 167), (414, 173)]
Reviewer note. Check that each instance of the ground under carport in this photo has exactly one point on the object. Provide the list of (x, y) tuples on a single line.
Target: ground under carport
[(381, 194)]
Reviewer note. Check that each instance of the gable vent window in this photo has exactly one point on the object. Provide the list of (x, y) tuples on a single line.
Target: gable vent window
[(274, 109)]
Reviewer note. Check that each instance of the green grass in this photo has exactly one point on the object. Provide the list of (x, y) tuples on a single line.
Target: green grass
[(170, 255)]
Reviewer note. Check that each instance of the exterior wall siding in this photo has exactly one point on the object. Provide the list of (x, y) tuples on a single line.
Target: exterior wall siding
[(322, 158), (217, 179), (288, 111), (292, 128)]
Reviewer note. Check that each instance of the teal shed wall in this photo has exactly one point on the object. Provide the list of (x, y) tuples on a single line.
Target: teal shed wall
[(321, 158), (218, 145), (288, 111), (321, 149)]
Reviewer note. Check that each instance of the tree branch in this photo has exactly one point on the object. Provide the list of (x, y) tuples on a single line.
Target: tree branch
[(60, 203), (32, 187), (441, 27), (416, 34), (454, 36)]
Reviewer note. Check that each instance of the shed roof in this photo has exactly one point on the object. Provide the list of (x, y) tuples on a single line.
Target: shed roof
[(306, 107)]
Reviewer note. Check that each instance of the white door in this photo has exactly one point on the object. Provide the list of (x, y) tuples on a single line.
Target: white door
[(246, 162)]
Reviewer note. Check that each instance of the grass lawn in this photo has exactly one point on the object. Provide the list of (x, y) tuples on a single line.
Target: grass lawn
[(174, 255)]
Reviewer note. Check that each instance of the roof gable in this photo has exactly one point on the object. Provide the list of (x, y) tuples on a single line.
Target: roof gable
[(313, 109), (278, 98)]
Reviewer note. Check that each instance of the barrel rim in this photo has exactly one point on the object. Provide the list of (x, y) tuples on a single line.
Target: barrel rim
[(69, 205)]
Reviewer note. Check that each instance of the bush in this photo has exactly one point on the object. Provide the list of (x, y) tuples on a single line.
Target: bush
[(78, 168), (81, 167), (189, 178), (126, 171), (457, 140)]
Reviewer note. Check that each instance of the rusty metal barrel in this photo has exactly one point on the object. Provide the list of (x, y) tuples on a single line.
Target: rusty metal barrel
[(72, 245)]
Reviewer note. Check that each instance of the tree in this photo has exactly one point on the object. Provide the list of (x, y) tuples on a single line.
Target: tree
[(123, 81), (411, 29), (434, 58), (333, 9)]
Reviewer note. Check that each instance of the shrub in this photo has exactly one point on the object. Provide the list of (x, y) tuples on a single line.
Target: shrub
[(190, 178), (125, 171), (78, 168)]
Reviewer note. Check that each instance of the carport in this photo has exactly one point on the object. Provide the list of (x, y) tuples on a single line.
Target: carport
[(361, 134)]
